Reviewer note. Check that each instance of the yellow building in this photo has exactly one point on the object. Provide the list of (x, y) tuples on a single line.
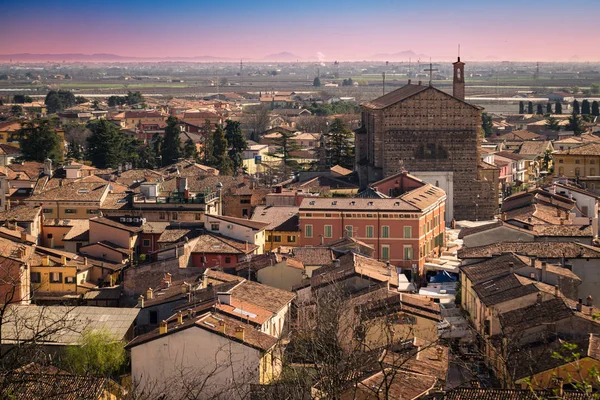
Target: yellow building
[(283, 225), (577, 162)]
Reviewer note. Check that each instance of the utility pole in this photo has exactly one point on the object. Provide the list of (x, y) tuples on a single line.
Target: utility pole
[(383, 76)]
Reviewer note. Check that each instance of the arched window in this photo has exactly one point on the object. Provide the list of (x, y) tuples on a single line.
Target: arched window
[(593, 171)]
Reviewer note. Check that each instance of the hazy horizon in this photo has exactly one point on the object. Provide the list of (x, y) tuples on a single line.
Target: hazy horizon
[(312, 31)]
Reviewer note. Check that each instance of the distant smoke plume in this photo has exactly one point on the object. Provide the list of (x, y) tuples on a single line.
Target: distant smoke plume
[(320, 56)]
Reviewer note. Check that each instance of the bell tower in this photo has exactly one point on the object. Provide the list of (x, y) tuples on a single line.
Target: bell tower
[(458, 84)]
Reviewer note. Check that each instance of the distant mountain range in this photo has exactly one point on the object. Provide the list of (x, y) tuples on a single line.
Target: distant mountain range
[(73, 57), (400, 56)]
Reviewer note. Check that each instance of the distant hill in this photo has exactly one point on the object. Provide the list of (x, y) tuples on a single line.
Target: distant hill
[(283, 56), (400, 56), (73, 57)]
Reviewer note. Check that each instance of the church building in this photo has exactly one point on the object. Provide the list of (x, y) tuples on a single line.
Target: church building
[(434, 136)]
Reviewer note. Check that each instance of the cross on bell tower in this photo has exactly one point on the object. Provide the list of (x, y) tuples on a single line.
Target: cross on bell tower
[(431, 70), (458, 84)]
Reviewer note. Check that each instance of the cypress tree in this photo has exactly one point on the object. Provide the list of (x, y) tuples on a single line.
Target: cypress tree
[(171, 150), (548, 108), (595, 108), (576, 110), (585, 107), (558, 108), (530, 108), (540, 109), (521, 107)]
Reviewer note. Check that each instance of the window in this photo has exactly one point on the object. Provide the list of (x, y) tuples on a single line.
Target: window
[(560, 161), (47, 211), (408, 252), (291, 239), (49, 236), (214, 227), (245, 201), (56, 277), (577, 171), (197, 216), (593, 171), (576, 161), (93, 212), (328, 215), (268, 238), (162, 215), (146, 242), (408, 232), (385, 252), (349, 230), (309, 214), (36, 277), (277, 238), (70, 211), (385, 231), (244, 212), (174, 216), (69, 279), (328, 231), (154, 317), (227, 260), (369, 232), (308, 231), (592, 161)]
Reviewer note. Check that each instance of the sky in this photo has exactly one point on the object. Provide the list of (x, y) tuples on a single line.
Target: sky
[(548, 30)]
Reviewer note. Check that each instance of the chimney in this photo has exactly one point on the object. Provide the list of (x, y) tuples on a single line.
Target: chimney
[(45, 261), (556, 291), (179, 317), (439, 352), (539, 298), (140, 303), (533, 262), (458, 83), (336, 263), (167, 279), (149, 294), (579, 306), (239, 333), (163, 328), (224, 298), (544, 271), (23, 236), (589, 301), (85, 260), (184, 287), (420, 83), (511, 267), (63, 260), (409, 81)]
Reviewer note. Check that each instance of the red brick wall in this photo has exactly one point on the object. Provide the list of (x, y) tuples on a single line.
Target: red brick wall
[(214, 260)]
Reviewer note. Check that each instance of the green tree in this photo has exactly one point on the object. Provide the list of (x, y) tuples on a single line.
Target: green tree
[(39, 141), (539, 109), (317, 82), (339, 144), (595, 88), (576, 109), (221, 161), (74, 150), (56, 101), (97, 354), (207, 149), (486, 124), (348, 82), (548, 108), (189, 150), (530, 108), (575, 89), (558, 108), (16, 110), (21, 98), (80, 100), (521, 107), (285, 146), (585, 107), (237, 144), (595, 108), (105, 144), (552, 123), (576, 124), (133, 98), (171, 150)]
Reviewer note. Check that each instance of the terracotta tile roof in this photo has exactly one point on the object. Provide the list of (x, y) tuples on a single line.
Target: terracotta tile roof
[(254, 225), (477, 229), (142, 114), (363, 205), (506, 394), (510, 155), (173, 235), (424, 196), (80, 231), (589, 149), (20, 214), (155, 227), (545, 250), (115, 224), (340, 170), (267, 297), (351, 264), (395, 96), (313, 256), (500, 289), (74, 191), (522, 135), (277, 218), (210, 243), (403, 385), (537, 148), (546, 312), (249, 312)]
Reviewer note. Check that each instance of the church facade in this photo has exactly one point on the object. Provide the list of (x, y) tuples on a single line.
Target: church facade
[(424, 130)]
